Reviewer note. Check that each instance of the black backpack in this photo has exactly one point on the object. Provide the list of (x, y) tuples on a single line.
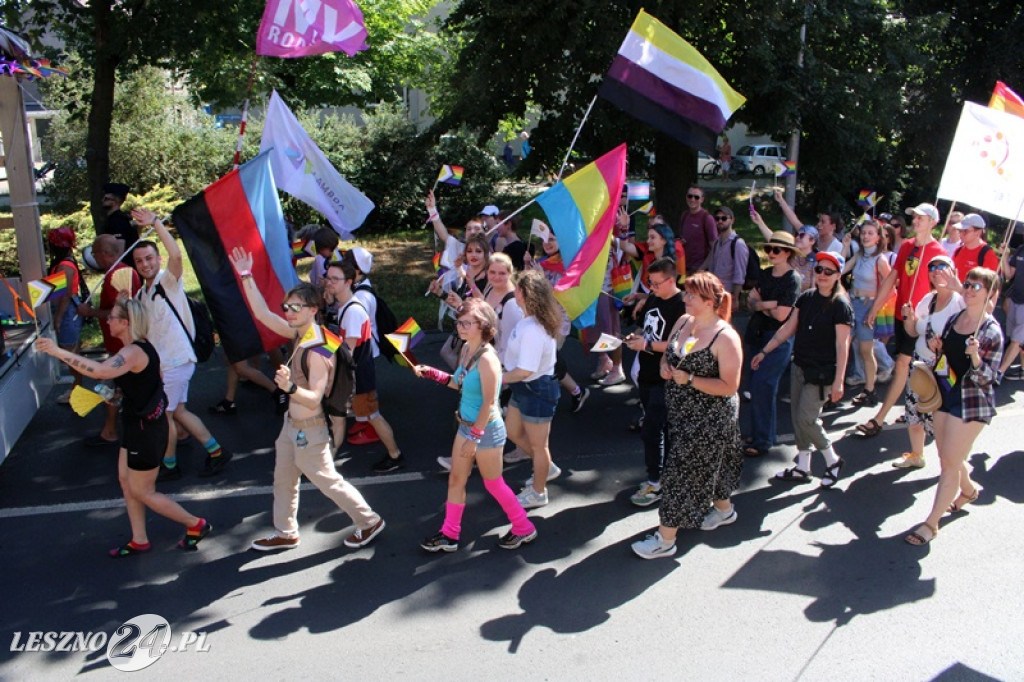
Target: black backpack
[(203, 343), (385, 322), (342, 386), (753, 272)]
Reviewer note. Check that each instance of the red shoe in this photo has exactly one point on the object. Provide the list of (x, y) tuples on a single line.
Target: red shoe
[(356, 427), (364, 437)]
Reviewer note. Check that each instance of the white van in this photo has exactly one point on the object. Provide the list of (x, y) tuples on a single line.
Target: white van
[(761, 158)]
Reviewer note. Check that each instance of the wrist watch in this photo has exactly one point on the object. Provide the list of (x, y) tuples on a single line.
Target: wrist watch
[(291, 391), (689, 379)]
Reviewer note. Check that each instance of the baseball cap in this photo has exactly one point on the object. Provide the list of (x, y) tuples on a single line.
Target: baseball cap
[(971, 220), (834, 258), (809, 229), (943, 259), (363, 259), (489, 209), (925, 209)]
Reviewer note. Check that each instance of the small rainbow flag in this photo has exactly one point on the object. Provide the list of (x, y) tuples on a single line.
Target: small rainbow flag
[(1005, 99), (785, 169), (638, 191), (451, 174), (49, 288), (403, 343), (313, 337), (331, 342), (646, 209), (867, 198), (412, 330), (303, 249), (436, 260)]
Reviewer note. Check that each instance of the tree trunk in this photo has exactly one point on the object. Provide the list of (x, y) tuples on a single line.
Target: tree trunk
[(675, 169), (101, 111)]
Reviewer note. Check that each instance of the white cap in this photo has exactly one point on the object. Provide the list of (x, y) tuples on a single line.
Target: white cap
[(489, 209), (363, 259), (925, 209), (971, 220)]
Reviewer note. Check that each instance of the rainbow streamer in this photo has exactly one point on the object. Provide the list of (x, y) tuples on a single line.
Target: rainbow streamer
[(451, 175)]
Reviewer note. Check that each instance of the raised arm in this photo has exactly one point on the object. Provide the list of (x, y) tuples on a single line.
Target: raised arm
[(242, 262), (787, 211), (435, 219), (175, 262)]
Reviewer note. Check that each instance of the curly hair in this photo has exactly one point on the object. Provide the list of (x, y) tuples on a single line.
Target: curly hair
[(539, 300), (479, 310)]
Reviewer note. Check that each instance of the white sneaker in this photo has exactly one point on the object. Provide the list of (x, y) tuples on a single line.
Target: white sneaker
[(553, 473), (445, 462), (613, 379), (883, 376), (516, 455), (716, 518), (856, 381), (653, 547), (531, 499), (647, 494)]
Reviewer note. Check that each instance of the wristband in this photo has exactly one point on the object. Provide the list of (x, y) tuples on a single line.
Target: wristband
[(433, 215), (245, 273), (437, 375), (476, 434), (291, 391)]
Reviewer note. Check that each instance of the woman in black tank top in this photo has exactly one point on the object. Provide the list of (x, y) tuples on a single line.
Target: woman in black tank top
[(136, 371)]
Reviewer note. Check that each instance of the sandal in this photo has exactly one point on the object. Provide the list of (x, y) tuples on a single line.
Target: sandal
[(794, 474), (902, 419), (866, 398), (962, 501), (917, 539), (751, 451), (126, 550), (870, 429), (223, 407), (831, 475)]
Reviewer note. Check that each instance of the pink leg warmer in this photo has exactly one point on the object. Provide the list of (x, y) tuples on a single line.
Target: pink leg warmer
[(500, 491), (452, 525)]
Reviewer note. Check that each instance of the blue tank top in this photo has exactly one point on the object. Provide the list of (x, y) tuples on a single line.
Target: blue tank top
[(472, 393)]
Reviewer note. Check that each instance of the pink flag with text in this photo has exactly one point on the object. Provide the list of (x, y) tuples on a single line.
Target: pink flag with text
[(300, 28)]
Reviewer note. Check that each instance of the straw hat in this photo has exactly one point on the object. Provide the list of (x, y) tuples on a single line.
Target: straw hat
[(785, 240), (923, 384)]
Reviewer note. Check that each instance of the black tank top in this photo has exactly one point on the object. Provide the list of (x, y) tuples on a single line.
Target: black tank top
[(142, 390)]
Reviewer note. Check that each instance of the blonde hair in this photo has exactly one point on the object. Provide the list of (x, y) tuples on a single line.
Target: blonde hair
[(502, 258), (135, 314)]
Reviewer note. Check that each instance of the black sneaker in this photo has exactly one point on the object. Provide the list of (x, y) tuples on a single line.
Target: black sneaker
[(440, 543), (169, 473), (512, 541), (190, 543), (280, 401), (223, 407), (389, 464), (579, 399), (215, 465)]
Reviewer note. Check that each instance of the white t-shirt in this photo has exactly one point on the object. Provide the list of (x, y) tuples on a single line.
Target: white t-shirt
[(165, 332), (319, 269), (355, 323), (950, 247), (835, 246), (939, 319), (510, 316), (530, 348), (369, 302)]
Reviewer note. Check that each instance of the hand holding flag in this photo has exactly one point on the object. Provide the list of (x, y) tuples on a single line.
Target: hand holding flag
[(404, 338), (539, 229)]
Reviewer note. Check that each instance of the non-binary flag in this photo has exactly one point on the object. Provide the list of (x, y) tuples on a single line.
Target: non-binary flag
[(241, 209), (451, 175), (638, 191), (665, 82), (300, 28), (581, 211), (1005, 99), (302, 170)]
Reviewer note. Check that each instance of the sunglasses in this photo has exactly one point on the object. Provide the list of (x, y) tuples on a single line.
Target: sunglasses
[(294, 307), (973, 286), (932, 267), (694, 196), (774, 250), (721, 218), (819, 270)]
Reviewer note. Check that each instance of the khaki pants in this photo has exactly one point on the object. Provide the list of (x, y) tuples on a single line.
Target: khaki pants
[(806, 401), (315, 460)]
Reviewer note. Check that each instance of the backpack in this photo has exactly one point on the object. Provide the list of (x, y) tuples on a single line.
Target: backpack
[(341, 386), (384, 321), (203, 343), (753, 273), (985, 248)]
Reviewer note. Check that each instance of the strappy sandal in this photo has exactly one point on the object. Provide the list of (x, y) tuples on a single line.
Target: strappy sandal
[(126, 550), (831, 475), (958, 505), (916, 539), (794, 475), (870, 429), (866, 399)]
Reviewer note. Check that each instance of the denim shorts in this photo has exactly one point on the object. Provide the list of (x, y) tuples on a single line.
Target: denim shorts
[(70, 325), (536, 400), (861, 306), (494, 434)]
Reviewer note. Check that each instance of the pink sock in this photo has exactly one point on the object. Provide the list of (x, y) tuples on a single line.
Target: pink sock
[(452, 525), (500, 491)]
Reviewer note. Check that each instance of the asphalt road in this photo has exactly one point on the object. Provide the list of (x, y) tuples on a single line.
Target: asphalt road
[(807, 584)]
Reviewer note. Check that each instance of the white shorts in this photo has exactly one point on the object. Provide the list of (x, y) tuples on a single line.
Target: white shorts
[(176, 384), (1015, 322)]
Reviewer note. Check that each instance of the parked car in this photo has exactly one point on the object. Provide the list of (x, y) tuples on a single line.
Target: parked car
[(761, 158)]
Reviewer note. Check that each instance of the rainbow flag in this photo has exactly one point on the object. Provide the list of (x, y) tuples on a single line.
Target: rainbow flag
[(1005, 99), (404, 343), (451, 174), (638, 191), (331, 342), (303, 249), (785, 169), (665, 82), (49, 288), (867, 198), (622, 282), (581, 211), (646, 209), (412, 330), (436, 260)]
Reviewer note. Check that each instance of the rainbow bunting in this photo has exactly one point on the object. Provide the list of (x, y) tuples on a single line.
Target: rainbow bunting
[(412, 330), (581, 211), (638, 191), (331, 342), (451, 174), (1005, 99)]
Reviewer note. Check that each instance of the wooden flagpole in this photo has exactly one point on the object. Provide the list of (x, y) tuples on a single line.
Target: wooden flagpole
[(245, 114)]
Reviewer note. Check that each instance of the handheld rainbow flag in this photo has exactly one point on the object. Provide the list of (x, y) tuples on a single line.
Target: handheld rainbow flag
[(539, 229), (646, 209), (622, 281), (785, 169), (1005, 99), (303, 249), (331, 342), (451, 174), (313, 337), (867, 198), (605, 343), (638, 191), (436, 260), (49, 288), (411, 329)]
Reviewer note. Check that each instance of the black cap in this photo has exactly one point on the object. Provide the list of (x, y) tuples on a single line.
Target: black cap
[(117, 189)]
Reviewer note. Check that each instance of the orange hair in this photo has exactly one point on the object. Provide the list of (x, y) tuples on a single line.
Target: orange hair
[(709, 287)]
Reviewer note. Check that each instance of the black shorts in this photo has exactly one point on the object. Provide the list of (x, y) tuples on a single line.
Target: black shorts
[(904, 342), (145, 441)]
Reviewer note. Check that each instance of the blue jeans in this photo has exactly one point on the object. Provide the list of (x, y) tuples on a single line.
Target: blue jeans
[(655, 429), (764, 390)]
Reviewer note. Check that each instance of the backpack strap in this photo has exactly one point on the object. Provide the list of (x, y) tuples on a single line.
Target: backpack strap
[(158, 290)]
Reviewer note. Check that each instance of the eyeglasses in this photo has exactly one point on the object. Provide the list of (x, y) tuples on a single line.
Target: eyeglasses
[(973, 286), (932, 267), (694, 196), (721, 218), (655, 285), (464, 324), (294, 307), (334, 279), (773, 250), (115, 317), (818, 270)]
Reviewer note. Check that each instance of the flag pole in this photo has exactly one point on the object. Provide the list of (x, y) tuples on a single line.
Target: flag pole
[(516, 212), (574, 138), (237, 161)]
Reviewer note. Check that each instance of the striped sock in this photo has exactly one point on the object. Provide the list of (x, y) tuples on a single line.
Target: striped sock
[(171, 462), (212, 447)]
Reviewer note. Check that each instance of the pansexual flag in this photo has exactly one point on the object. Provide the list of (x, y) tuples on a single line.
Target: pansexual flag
[(450, 174), (665, 82), (581, 211), (638, 191), (240, 209), (1005, 99)]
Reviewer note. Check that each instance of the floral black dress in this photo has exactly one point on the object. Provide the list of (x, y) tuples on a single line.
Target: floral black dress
[(704, 459)]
